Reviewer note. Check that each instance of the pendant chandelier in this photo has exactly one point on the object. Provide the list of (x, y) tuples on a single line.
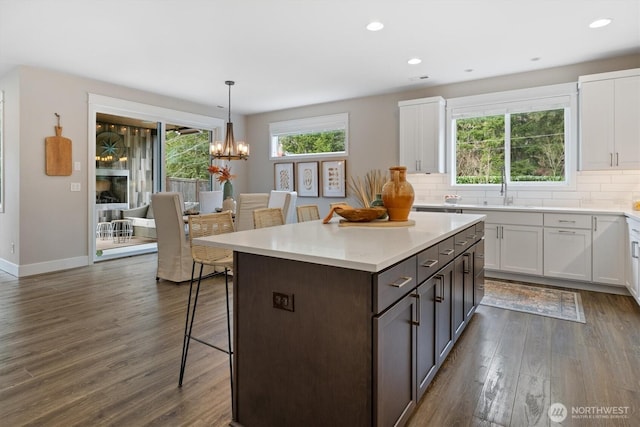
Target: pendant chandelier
[(229, 149)]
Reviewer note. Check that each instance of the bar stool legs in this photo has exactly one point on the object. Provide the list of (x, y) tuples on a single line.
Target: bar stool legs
[(188, 326)]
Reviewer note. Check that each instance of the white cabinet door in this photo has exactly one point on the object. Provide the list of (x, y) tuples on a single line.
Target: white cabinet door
[(521, 249), (567, 253), (608, 249), (627, 122), (633, 259), (609, 125), (422, 135), (596, 125), (491, 246)]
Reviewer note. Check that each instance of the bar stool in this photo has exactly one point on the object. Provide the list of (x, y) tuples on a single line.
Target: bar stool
[(222, 261)]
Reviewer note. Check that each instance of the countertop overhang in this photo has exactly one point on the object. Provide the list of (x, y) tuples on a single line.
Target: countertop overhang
[(369, 249)]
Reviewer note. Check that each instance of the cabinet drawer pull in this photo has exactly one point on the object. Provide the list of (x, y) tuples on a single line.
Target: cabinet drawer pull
[(463, 243), (479, 256), (566, 232), (567, 221), (472, 236), (634, 245), (447, 252), (401, 281), (617, 164), (610, 159), (429, 263)]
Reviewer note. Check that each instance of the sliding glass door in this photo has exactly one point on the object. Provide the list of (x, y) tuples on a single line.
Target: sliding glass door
[(140, 150)]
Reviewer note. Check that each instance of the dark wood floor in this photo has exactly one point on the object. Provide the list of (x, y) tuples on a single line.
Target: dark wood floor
[(101, 346)]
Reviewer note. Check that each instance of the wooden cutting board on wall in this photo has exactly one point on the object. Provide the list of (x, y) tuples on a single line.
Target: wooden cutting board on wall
[(58, 154)]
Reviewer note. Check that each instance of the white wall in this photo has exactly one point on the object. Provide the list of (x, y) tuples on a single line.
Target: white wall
[(373, 134), (47, 222)]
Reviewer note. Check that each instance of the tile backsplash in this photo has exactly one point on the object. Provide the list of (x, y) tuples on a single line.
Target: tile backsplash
[(593, 189)]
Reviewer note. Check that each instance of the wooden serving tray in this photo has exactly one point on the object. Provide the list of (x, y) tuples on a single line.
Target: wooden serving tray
[(377, 223)]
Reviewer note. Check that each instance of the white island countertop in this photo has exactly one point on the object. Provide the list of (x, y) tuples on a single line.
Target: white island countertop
[(361, 248)]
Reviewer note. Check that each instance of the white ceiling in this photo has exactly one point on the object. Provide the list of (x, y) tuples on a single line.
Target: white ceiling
[(288, 53)]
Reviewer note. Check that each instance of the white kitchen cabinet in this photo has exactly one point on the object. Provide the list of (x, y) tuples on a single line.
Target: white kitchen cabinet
[(513, 242), (609, 126), (608, 249), (422, 125), (567, 246), (632, 277)]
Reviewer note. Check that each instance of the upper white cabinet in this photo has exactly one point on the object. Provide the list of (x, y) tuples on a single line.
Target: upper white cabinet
[(609, 125), (422, 125)]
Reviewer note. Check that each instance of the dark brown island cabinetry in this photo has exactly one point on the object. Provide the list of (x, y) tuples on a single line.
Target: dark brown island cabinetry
[(353, 348)]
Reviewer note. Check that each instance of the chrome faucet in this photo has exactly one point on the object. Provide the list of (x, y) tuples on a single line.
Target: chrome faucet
[(506, 200)]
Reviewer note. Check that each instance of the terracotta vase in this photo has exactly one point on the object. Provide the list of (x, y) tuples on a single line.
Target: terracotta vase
[(398, 194)]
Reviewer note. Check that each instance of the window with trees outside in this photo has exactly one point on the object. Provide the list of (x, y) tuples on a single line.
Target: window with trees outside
[(530, 139), (323, 136)]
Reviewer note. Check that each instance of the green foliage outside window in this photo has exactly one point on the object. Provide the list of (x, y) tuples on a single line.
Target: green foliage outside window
[(311, 143), (536, 151), (187, 156)]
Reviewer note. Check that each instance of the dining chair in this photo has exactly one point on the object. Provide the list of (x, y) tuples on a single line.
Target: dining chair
[(307, 213), (210, 201), (221, 260), (247, 203), (285, 200), (267, 217), (174, 253)]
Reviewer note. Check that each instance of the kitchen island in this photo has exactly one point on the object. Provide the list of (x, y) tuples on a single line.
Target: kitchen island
[(347, 325)]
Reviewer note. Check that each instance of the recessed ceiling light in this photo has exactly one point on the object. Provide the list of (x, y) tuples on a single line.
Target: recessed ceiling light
[(375, 26), (414, 61), (599, 23)]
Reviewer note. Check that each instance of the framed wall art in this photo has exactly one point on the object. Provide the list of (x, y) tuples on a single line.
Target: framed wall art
[(334, 181), (307, 179), (284, 177)]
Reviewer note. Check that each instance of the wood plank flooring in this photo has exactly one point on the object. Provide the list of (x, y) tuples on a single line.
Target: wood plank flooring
[(101, 345)]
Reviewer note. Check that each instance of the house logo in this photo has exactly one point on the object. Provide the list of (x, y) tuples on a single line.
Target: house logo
[(557, 412)]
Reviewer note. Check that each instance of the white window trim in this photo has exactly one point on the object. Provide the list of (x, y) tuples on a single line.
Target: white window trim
[(518, 101), (309, 125)]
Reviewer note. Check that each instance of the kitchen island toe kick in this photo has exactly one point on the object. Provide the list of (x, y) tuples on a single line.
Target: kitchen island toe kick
[(347, 326)]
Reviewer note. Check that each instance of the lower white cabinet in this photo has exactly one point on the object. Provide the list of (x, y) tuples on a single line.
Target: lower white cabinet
[(633, 259), (567, 253), (511, 246), (608, 249)]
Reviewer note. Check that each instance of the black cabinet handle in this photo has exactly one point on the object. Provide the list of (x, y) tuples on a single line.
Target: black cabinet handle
[(417, 297), (440, 285)]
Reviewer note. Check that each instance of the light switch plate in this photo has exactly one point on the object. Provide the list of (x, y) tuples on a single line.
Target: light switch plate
[(75, 186), (76, 166)]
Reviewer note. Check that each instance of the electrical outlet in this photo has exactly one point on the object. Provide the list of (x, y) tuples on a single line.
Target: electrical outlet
[(283, 301)]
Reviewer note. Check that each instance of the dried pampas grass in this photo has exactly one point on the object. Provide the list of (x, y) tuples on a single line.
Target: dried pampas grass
[(364, 190)]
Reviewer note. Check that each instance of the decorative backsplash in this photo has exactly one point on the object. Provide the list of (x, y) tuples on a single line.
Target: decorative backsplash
[(593, 189)]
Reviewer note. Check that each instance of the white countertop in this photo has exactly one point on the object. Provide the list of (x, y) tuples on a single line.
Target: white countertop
[(516, 208), (361, 248)]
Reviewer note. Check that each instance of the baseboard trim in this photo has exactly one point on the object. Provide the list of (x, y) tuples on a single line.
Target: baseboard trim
[(569, 284), (44, 267)]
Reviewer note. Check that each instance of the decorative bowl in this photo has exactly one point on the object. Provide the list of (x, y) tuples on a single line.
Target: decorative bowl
[(359, 214)]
